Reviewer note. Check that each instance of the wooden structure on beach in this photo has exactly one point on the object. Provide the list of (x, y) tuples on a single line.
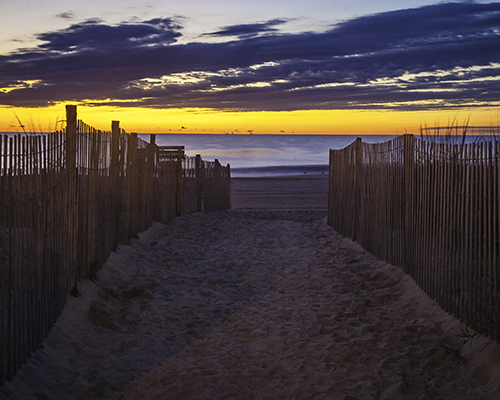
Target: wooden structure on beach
[(67, 199), (431, 208)]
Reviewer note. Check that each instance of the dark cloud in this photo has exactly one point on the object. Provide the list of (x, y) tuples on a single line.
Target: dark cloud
[(95, 35), (66, 15), (249, 30), (444, 55)]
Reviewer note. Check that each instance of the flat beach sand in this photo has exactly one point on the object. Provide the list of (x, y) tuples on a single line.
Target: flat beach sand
[(260, 302), (283, 192)]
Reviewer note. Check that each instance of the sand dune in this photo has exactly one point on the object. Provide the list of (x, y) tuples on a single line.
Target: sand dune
[(254, 305)]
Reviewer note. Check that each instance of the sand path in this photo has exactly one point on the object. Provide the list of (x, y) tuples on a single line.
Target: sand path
[(254, 305)]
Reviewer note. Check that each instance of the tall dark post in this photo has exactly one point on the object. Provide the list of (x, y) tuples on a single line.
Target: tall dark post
[(217, 181), (408, 192), (71, 128), (198, 171), (71, 216), (228, 187), (133, 185), (70, 114), (179, 183), (115, 153), (114, 174), (330, 188), (358, 185), (151, 168), (152, 152)]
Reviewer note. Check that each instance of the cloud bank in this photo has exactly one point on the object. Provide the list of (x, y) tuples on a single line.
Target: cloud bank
[(443, 55)]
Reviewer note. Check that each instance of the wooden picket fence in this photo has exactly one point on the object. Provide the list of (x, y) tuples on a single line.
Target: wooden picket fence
[(431, 208), (66, 200)]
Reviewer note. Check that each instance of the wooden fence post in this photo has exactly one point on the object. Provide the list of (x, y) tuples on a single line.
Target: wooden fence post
[(151, 167), (358, 188), (330, 186), (179, 183), (133, 179), (408, 191), (71, 218), (228, 187), (115, 173), (199, 183), (217, 180), (71, 137)]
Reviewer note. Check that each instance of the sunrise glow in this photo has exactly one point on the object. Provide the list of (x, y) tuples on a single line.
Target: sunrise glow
[(140, 120)]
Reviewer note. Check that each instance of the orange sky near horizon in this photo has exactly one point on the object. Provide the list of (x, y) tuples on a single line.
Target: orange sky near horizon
[(144, 120)]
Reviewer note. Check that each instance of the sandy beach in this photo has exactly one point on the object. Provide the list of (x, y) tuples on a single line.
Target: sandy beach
[(254, 304), (281, 192)]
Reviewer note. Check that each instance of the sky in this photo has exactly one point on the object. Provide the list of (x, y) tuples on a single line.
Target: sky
[(263, 66)]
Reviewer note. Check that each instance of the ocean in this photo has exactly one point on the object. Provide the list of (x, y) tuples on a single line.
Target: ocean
[(265, 155)]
